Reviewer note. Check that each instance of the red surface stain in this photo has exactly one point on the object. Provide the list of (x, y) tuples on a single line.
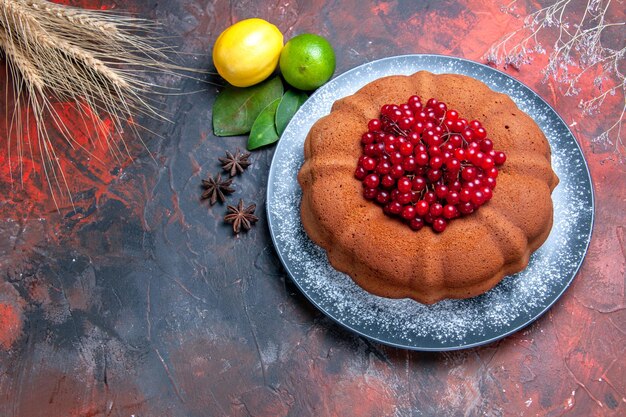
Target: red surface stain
[(382, 7), (11, 315), (71, 394), (85, 158), (489, 25), (199, 364), (378, 398), (210, 375), (10, 325)]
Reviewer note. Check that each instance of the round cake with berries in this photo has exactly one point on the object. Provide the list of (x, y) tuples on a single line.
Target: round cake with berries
[(427, 187)]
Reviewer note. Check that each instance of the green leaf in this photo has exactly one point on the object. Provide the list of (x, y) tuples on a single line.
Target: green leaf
[(264, 130), (289, 105), (236, 109)]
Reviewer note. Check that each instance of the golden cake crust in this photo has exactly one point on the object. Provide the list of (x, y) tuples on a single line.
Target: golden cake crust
[(382, 254)]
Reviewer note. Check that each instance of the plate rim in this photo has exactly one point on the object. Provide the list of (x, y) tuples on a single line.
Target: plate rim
[(556, 297)]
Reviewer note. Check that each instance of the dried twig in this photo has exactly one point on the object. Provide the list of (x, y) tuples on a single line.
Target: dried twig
[(579, 50)]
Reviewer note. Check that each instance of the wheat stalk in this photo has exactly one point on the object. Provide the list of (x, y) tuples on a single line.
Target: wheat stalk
[(91, 59)]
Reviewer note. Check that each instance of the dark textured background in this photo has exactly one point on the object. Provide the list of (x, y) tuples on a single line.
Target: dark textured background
[(141, 302)]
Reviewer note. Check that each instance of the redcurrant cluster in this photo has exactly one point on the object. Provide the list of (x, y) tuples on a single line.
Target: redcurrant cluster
[(427, 165)]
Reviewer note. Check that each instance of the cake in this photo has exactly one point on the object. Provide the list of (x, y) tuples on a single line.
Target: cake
[(473, 251)]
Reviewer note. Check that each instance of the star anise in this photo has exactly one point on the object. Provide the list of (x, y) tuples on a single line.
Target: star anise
[(236, 163), (216, 188), (241, 217)]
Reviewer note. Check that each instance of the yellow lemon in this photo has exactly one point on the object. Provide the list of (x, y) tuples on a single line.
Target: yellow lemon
[(247, 52)]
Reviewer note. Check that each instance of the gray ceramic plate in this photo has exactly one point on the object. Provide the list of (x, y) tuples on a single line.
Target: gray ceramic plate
[(451, 324)]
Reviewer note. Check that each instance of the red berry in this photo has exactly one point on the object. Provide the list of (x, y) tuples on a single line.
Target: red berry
[(404, 184), (406, 149), (486, 145), (440, 109), (478, 198), (383, 167), (405, 198), (414, 138), (434, 175), (397, 171), (422, 159), (409, 164), (452, 197), (435, 162), (436, 141), (360, 173), (416, 223), (474, 124), (453, 165), (448, 147), (370, 150), (468, 173), (480, 133), (396, 157), (478, 158), (466, 208), (452, 115), (450, 211), (371, 181), (395, 114), (436, 210), (406, 122), (383, 197), (374, 125), (500, 158), (367, 138), (432, 102), (439, 225), (422, 207), (492, 173), (456, 141), (490, 182), (454, 185), (468, 135), (394, 207), (418, 183), (487, 193), (408, 212), (418, 127), (487, 163), (368, 163), (465, 195), (434, 151), (415, 105), (441, 191), (388, 181), (370, 193)]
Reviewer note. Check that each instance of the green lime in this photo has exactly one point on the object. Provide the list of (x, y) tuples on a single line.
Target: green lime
[(307, 61)]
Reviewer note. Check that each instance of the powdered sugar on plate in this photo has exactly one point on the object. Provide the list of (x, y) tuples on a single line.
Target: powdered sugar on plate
[(450, 324)]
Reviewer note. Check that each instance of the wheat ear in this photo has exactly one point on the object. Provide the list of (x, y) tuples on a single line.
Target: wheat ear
[(93, 60)]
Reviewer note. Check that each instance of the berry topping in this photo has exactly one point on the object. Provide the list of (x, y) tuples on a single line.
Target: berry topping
[(426, 165)]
